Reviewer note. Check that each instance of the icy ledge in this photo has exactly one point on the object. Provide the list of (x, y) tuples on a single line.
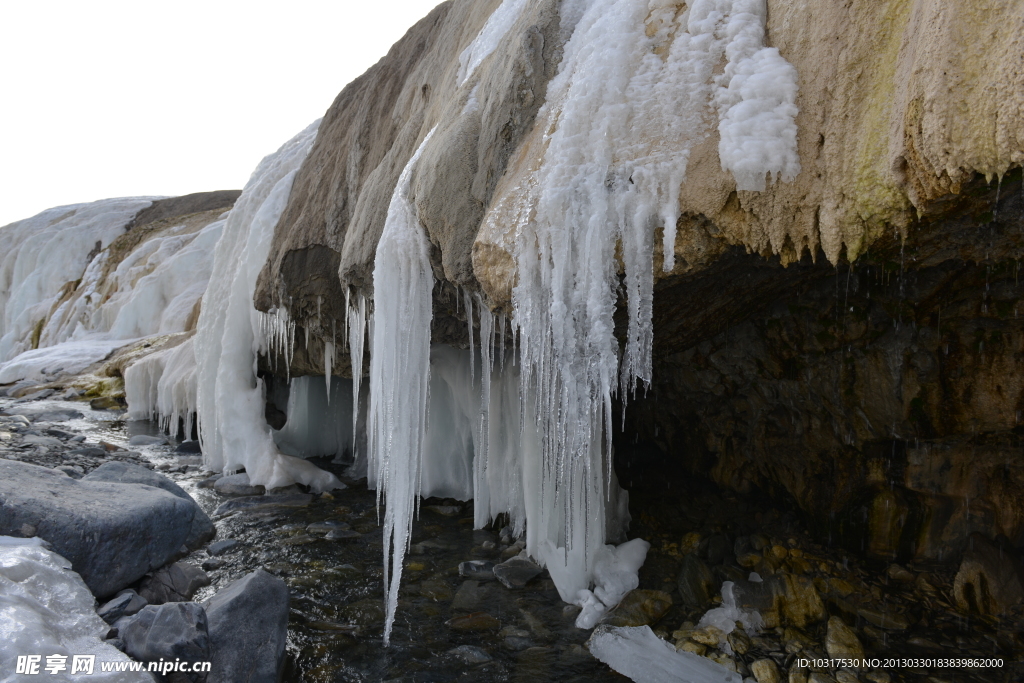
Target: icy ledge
[(46, 609)]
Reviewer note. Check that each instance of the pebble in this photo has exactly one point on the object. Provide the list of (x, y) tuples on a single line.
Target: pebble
[(765, 671)]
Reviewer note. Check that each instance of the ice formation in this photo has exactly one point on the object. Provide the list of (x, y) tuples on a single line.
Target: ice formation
[(229, 397), (725, 618), (635, 91), (45, 253), (46, 609), (318, 422), (636, 652)]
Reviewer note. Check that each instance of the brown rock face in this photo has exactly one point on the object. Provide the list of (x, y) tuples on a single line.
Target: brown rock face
[(990, 579)]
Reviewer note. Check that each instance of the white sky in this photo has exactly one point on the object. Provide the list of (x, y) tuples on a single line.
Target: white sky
[(100, 98)]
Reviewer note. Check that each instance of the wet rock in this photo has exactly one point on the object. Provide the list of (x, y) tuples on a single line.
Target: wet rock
[(343, 535), (262, 503), (797, 675), (168, 632), (990, 580), (877, 676), (782, 599), (177, 582), (44, 441), (89, 452), (146, 440), (840, 640), (795, 640), (691, 646), (846, 676), (73, 471), (113, 534), (476, 621), (209, 481), (325, 527), (445, 510), (639, 607), (107, 403), (129, 473), (125, 604), (248, 624), (188, 448), (237, 485), (696, 584), (739, 641), (470, 654), (517, 643), (765, 671), (468, 597), (900, 574), (516, 572), (212, 564), (709, 635), (479, 570), (220, 547)]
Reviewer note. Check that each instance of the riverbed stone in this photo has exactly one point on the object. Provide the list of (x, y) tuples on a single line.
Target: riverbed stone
[(639, 607), (765, 671), (113, 534), (176, 582), (516, 572), (170, 631), (237, 485), (130, 473), (262, 503), (221, 547), (841, 642), (478, 570), (124, 604), (248, 625)]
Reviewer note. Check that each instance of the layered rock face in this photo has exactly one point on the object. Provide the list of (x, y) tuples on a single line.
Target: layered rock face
[(846, 341)]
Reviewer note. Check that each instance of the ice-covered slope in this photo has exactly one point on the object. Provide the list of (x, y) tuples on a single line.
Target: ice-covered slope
[(82, 281)]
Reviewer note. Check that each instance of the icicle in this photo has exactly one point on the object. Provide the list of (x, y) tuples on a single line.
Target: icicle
[(356, 326), (399, 373), (468, 299), (328, 361), (482, 503)]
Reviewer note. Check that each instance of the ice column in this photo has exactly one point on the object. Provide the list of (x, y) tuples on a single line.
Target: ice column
[(229, 397), (399, 373)]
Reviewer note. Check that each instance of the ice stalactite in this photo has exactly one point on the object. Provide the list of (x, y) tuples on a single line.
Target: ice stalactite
[(399, 373), (636, 90), (162, 386), (230, 399), (634, 93)]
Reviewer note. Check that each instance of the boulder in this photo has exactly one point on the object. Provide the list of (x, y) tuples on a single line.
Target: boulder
[(990, 579), (248, 624), (129, 473), (237, 485), (172, 631), (189, 448), (516, 572), (113, 534), (176, 582)]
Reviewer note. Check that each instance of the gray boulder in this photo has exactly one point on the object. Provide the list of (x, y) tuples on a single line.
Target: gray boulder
[(113, 534), (125, 604), (176, 582), (516, 572), (248, 623), (168, 632), (237, 485), (130, 473)]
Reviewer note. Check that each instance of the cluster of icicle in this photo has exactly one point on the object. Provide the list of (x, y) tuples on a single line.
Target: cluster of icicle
[(635, 91)]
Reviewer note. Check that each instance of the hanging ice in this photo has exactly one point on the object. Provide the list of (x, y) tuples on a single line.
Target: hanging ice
[(229, 397), (399, 373)]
